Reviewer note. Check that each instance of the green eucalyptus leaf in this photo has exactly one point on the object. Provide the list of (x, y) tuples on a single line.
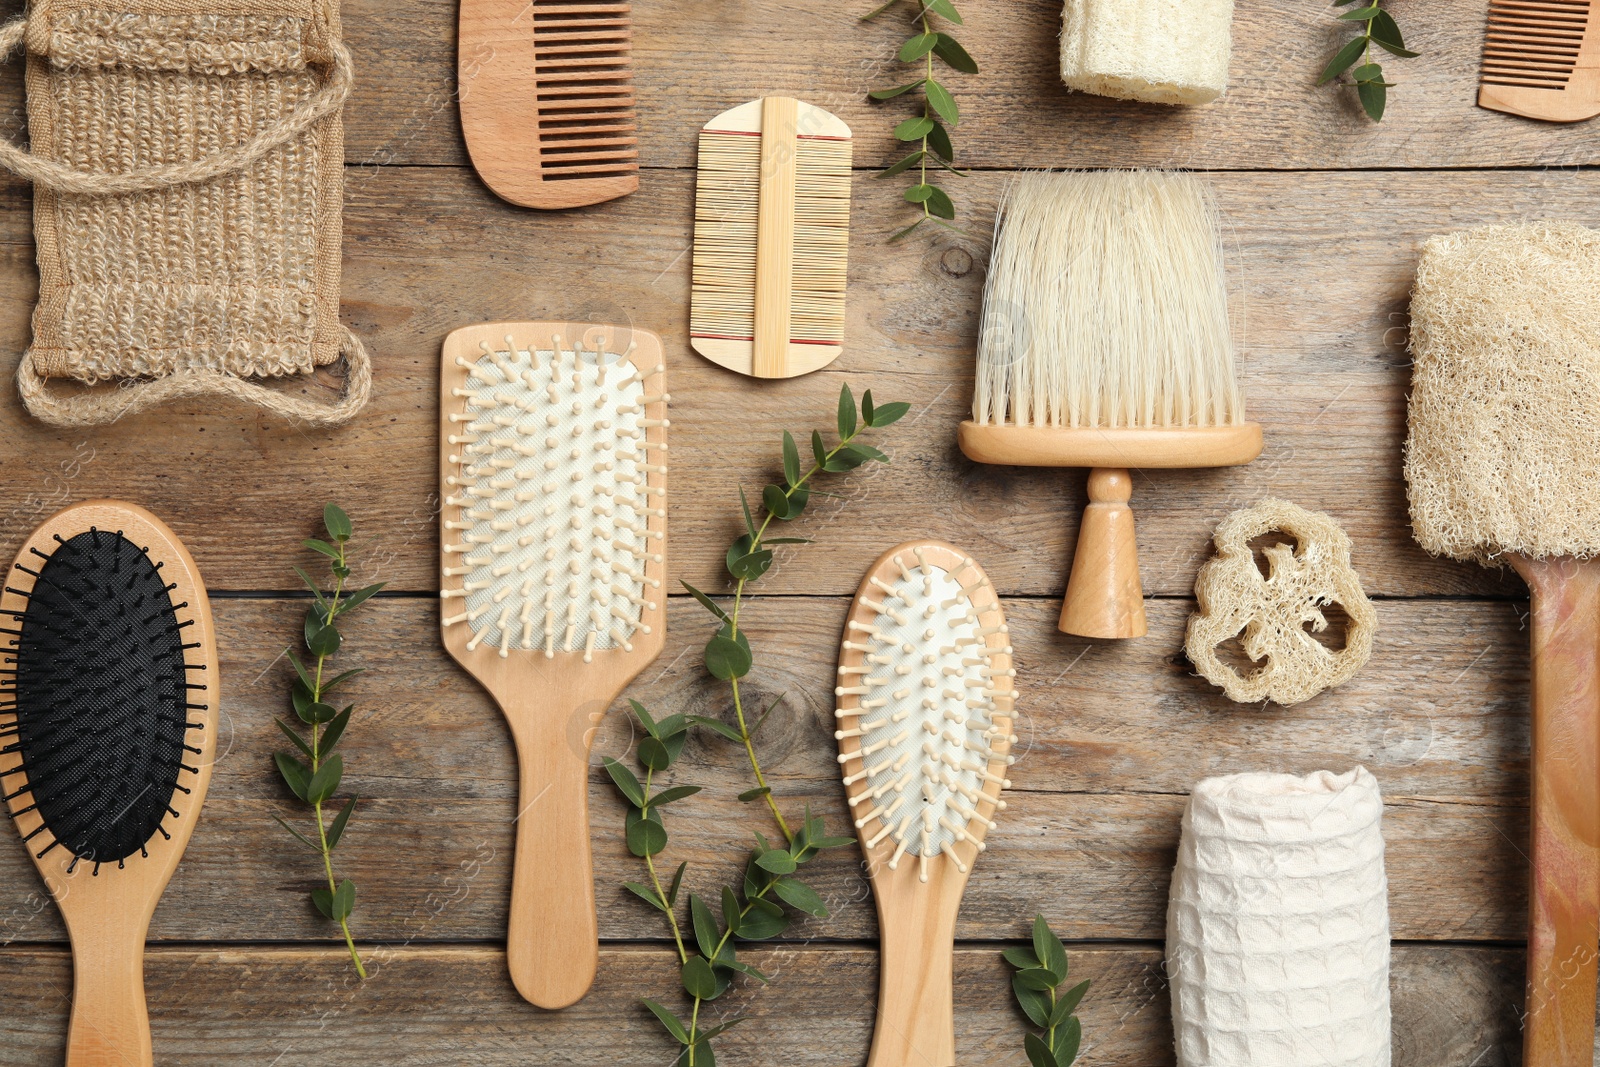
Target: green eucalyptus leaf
[(914, 49), (706, 933), (677, 882), (904, 165), (318, 713), (1039, 1053), (754, 794), (791, 460), (705, 601), (776, 860), (300, 671), (1362, 14), (763, 920), (326, 780), (645, 834), (324, 641), (698, 981), (749, 520), (949, 49), (730, 910), (800, 896), (1035, 1003), (1041, 978), (335, 730), (336, 522), (653, 755), (847, 412), (776, 501), (646, 894), (868, 409), (917, 194), (945, 9), (627, 782), (1343, 60), (890, 94), (673, 1024), (1067, 1003), (336, 831), (940, 204), (667, 796), (323, 899), (303, 838), (293, 735), (344, 901), (718, 727), (643, 715), (913, 129), (743, 968), (1374, 96), (301, 697), (1048, 947), (673, 725), (296, 775), (329, 685), (726, 659), (818, 451), (311, 585), (1020, 957), (888, 414), (943, 103), (939, 141), (322, 547), (360, 595), (1068, 1036)]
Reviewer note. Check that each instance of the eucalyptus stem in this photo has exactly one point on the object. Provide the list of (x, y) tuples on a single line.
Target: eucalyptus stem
[(1378, 27)]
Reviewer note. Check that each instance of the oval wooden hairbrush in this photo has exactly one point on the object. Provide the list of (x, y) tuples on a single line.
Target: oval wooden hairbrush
[(925, 719), (108, 725), (552, 453)]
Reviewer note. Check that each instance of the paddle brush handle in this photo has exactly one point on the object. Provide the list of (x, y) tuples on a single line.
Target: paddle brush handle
[(110, 1025), (1564, 895), (1104, 597), (916, 1026), (552, 939)]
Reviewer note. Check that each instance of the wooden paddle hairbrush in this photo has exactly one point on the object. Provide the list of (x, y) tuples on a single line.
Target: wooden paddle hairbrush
[(925, 720), (547, 105), (1541, 59), (552, 458), (110, 727)]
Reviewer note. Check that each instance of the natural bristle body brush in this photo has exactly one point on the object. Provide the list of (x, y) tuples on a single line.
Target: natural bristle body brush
[(1105, 344), (552, 457), (924, 719), (106, 741), (1500, 469)]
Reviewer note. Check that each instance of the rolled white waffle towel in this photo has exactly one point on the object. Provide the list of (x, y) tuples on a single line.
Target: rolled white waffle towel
[(1278, 926), (1161, 51)]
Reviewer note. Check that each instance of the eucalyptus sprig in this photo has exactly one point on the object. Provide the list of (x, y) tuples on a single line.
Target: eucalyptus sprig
[(315, 779), (939, 108), (753, 911), (1041, 971), (771, 889), (1378, 28)]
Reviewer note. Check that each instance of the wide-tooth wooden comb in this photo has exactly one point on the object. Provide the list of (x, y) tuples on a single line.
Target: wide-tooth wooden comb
[(552, 457), (1541, 59), (925, 733), (547, 103), (771, 238), (106, 748)]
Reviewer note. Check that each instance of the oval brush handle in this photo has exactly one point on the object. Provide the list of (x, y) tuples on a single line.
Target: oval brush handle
[(1564, 894), (552, 938), (1104, 597), (915, 1026), (110, 1024)]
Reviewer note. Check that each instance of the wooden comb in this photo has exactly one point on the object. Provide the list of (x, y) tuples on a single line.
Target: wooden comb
[(1541, 59), (771, 238), (547, 103)]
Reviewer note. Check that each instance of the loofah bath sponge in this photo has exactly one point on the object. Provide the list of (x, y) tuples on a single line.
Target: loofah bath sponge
[(1160, 51), (1272, 614), (1278, 925), (1500, 457)]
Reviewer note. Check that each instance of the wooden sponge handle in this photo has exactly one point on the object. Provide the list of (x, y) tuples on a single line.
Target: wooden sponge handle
[(1564, 893), (1104, 597)]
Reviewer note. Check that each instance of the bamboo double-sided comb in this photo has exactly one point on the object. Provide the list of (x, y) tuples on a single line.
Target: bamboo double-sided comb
[(771, 238), (925, 731), (1106, 345), (107, 748), (1541, 59), (552, 450), (547, 104)]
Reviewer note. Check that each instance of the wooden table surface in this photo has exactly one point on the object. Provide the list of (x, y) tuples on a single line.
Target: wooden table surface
[(1325, 213)]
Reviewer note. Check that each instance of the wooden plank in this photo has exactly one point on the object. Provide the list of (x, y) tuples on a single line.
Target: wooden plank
[(1112, 739), (1016, 113), (1452, 1005), (1320, 284)]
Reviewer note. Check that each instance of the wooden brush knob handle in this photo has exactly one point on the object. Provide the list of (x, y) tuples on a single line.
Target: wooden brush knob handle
[(915, 1025), (110, 1025), (1564, 892), (552, 937), (1104, 597)]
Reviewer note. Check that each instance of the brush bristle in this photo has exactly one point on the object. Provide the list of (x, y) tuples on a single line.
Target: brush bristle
[(1534, 43), (1106, 306), (726, 210), (102, 692), (558, 498), (925, 717)]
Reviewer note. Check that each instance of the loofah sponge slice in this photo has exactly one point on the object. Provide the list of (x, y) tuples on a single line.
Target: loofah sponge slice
[(1274, 613), (1504, 449), (1278, 924), (1160, 51)]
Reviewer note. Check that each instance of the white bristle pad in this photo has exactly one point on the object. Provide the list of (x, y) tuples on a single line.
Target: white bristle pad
[(924, 716), (553, 500), (1278, 926)]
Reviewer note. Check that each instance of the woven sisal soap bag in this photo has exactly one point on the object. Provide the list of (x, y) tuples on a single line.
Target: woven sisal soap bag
[(188, 168)]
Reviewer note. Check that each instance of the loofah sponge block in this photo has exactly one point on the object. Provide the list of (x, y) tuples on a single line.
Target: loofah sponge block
[(1504, 449), (1160, 51), (1278, 924), (1274, 615)]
